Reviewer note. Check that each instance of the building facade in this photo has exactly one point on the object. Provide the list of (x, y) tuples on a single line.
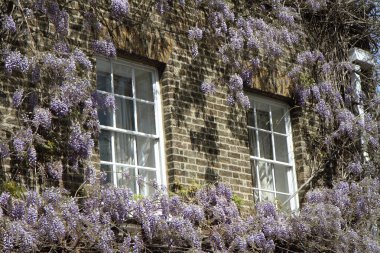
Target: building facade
[(165, 129)]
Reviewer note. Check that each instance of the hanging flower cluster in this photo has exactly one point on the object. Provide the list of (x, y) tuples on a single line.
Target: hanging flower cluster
[(100, 221)]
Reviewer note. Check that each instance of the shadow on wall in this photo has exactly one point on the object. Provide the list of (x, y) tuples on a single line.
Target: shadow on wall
[(188, 79), (206, 139), (237, 124), (211, 176)]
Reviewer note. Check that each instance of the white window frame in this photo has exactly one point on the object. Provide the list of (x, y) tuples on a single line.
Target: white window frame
[(291, 174), (160, 160)]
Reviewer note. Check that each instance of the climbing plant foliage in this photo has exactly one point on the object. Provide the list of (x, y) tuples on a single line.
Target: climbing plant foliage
[(50, 88)]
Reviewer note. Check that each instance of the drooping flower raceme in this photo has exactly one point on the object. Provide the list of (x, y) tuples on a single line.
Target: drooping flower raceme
[(9, 24), (82, 59), (59, 108), (15, 61), (42, 118), (195, 33), (81, 142), (119, 8), (17, 97), (105, 48), (208, 88)]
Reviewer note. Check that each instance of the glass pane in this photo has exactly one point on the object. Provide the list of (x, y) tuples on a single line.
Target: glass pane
[(105, 146), (265, 176), (280, 200), (251, 119), (124, 114), (125, 176), (105, 117), (265, 142), (144, 84), (278, 119), (145, 152), (148, 177), (267, 196), (103, 66), (281, 147), (108, 176), (122, 80), (256, 195), (145, 118), (124, 147), (103, 81), (252, 142), (281, 176), (263, 117)]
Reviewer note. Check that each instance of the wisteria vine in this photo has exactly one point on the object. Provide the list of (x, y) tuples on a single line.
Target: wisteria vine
[(57, 111)]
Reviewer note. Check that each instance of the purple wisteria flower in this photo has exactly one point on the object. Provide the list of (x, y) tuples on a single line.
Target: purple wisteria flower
[(208, 88), (310, 57), (102, 100), (58, 17), (74, 92), (235, 83), (91, 21), (62, 47), (316, 5), (266, 209), (326, 68), (316, 93), (326, 88), (349, 66), (81, 142), (230, 100), (194, 50), (316, 196), (346, 120), (119, 8), (236, 39), (9, 24), (195, 33), (193, 213), (55, 170), (32, 155), (243, 100), (42, 118), (59, 108), (323, 110), (19, 146), (32, 215), (82, 59), (374, 141), (17, 98), (104, 47), (109, 101), (17, 210), (33, 199), (60, 66), (90, 174), (286, 15), (247, 76), (15, 61), (125, 246)]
